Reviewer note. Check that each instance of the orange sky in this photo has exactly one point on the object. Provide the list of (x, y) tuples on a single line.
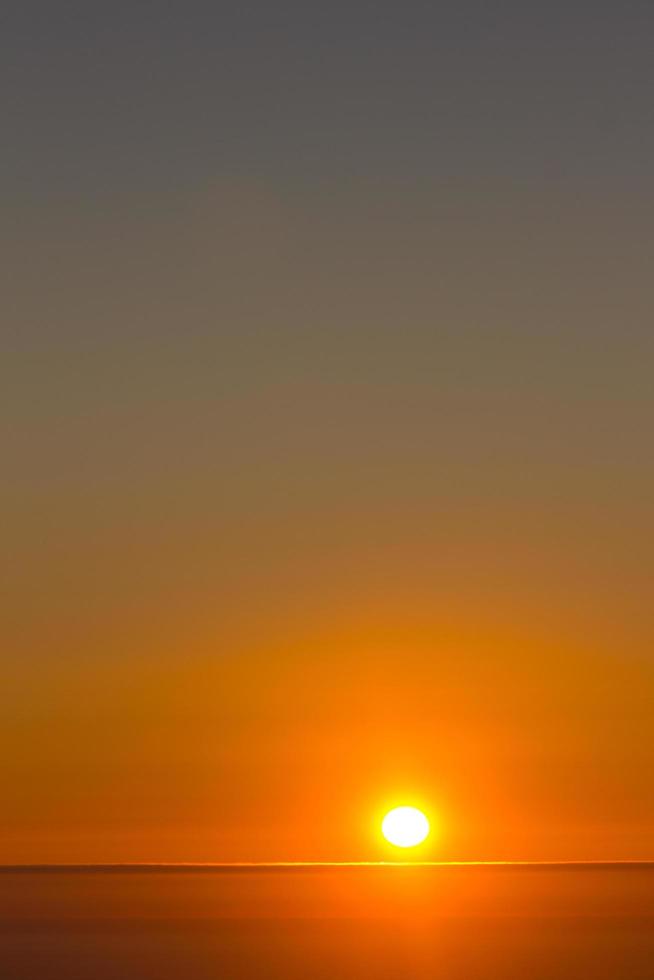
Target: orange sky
[(274, 742), (327, 411)]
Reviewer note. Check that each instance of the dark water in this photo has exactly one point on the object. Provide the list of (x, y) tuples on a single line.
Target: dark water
[(454, 923)]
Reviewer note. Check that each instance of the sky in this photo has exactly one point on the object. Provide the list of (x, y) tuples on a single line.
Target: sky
[(326, 420)]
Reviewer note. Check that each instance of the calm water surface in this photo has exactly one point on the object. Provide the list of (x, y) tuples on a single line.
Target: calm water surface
[(454, 923)]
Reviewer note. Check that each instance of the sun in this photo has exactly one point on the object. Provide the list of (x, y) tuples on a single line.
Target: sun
[(405, 826)]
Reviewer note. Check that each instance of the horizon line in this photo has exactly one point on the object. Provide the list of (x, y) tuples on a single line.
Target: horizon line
[(245, 867)]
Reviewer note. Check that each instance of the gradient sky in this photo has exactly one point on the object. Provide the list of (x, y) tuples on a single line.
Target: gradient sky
[(327, 402)]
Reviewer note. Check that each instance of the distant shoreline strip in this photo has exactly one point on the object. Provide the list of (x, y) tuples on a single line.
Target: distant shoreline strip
[(309, 867)]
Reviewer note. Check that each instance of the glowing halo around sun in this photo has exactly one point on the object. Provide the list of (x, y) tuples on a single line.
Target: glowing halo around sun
[(405, 826)]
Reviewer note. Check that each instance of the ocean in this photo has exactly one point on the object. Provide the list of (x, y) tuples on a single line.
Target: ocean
[(467, 922)]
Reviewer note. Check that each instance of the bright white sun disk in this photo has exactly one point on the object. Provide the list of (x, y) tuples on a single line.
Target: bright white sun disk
[(405, 826)]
